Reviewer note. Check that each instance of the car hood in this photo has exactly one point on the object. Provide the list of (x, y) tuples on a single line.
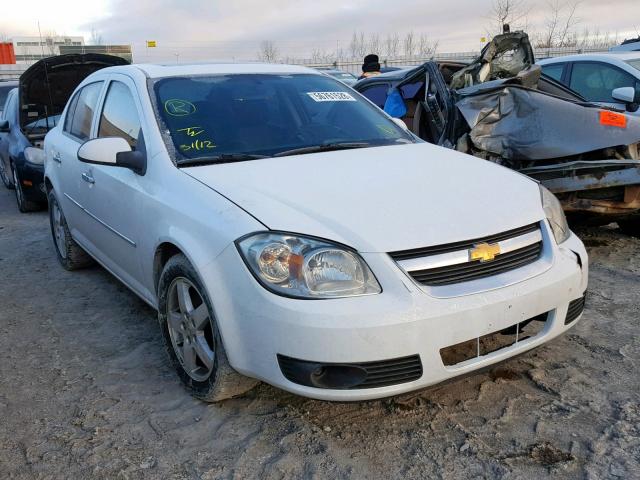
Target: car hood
[(379, 199), (46, 85)]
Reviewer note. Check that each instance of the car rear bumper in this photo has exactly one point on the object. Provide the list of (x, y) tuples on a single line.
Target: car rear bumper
[(273, 338)]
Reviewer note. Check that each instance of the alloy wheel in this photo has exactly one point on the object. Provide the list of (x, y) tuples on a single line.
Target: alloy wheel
[(59, 235), (190, 329)]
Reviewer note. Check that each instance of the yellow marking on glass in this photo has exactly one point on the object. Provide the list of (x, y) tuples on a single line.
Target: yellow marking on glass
[(192, 131)]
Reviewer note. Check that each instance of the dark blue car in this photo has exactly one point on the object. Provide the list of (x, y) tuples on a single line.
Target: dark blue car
[(30, 111)]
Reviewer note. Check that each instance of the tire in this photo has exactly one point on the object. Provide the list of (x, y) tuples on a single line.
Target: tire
[(630, 227), (70, 255), (24, 205), (192, 339), (6, 177)]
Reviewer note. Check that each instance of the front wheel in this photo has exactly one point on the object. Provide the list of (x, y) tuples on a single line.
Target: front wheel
[(191, 335), (24, 205), (5, 176)]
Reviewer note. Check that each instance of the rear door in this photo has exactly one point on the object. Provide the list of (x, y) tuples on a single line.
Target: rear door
[(113, 195), (63, 152)]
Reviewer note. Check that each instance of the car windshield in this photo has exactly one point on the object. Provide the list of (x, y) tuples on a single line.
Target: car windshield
[(45, 124), (244, 115), (634, 63)]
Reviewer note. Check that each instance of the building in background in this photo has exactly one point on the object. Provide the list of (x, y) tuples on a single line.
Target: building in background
[(32, 49)]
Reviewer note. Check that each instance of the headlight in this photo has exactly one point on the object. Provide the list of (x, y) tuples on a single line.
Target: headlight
[(555, 215), (34, 155), (305, 267)]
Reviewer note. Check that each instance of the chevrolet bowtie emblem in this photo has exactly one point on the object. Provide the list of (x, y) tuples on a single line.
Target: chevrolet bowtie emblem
[(484, 252)]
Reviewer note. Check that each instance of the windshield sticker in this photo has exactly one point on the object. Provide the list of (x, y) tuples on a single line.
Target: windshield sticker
[(612, 119), (331, 97), (192, 131), (179, 108), (197, 145)]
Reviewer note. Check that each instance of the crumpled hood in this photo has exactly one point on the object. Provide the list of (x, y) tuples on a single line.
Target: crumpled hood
[(380, 199)]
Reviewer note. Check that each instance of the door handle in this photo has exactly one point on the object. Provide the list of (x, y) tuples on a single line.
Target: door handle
[(88, 178), (56, 157)]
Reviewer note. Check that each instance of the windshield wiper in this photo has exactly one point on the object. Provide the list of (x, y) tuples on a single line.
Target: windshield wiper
[(222, 158), (324, 147)]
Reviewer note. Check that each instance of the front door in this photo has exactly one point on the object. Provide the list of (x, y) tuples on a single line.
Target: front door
[(113, 194)]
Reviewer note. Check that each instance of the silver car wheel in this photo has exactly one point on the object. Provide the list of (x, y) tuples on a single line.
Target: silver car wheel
[(190, 329), (58, 230)]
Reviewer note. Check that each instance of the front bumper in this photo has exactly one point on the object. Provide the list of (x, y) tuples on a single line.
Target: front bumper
[(404, 320), (32, 180)]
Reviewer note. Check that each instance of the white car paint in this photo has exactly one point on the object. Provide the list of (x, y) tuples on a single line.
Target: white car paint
[(619, 60), (374, 200)]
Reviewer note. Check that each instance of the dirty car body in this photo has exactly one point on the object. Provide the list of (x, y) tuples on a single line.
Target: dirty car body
[(320, 231), (502, 109)]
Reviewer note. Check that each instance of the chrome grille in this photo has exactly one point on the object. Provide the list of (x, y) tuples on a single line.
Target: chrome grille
[(451, 263)]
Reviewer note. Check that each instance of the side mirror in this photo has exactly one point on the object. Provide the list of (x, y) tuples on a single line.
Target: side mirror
[(114, 151), (4, 126), (400, 123), (624, 94)]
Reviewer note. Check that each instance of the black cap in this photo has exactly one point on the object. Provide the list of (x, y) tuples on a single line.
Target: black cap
[(371, 63)]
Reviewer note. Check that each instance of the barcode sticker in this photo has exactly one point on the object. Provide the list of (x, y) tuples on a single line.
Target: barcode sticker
[(331, 97)]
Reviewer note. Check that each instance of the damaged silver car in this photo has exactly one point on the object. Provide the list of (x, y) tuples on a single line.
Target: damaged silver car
[(501, 108)]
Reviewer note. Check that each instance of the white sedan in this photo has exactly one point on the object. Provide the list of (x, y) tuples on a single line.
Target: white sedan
[(609, 79), (287, 230)]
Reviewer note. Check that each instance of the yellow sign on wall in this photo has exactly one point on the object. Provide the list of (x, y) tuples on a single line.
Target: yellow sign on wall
[(151, 43)]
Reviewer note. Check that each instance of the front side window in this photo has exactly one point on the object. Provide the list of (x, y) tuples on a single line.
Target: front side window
[(266, 114), (78, 121), (119, 116), (596, 81)]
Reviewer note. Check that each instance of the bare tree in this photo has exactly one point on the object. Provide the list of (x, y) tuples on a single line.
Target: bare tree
[(427, 47), (321, 56), (409, 44), (95, 38), (392, 45), (358, 45), (268, 51), (560, 24), (375, 45), (508, 12)]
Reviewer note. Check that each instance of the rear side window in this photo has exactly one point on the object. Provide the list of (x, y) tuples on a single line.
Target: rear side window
[(596, 81), (119, 115), (80, 114), (554, 71), (377, 94)]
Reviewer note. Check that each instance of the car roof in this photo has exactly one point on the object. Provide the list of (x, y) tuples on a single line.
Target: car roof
[(608, 57), (160, 71)]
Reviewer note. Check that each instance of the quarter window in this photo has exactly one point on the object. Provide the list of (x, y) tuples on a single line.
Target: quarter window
[(596, 81), (554, 71), (80, 115), (119, 116)]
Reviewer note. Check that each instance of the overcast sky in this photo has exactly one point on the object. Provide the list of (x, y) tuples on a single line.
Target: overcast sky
[(207, 29)]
